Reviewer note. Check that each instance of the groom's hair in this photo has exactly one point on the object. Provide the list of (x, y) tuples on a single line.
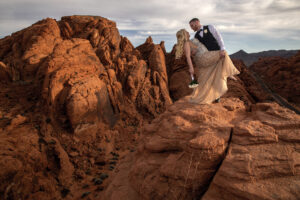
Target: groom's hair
[(194, 20)]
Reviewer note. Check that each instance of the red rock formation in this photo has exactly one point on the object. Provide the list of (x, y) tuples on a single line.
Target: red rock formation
[(216, 151), (263, 157), (282, 75), (24, 51), (246, 87), (85, 91), (179, 76), (75, 94), (145, 84)]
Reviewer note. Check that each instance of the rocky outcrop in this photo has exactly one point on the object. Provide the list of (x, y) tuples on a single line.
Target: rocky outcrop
[(217, 151), (281, 75), (246, 88), (76, 97), (177, 154), (24, 51), (34, 164), (179, 76), (155, 58), (85, 91), (72, 88), (263, 157), (23, 165)]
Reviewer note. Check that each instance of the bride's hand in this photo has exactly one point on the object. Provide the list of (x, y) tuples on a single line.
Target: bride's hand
[(191, 70)]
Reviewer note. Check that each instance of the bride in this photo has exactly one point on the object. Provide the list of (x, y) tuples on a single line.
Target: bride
[(213, 69)]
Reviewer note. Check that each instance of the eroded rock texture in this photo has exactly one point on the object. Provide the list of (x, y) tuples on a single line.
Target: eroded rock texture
[(282, 75), (217, 151), (73, 91), (76, 97), (263, 158)]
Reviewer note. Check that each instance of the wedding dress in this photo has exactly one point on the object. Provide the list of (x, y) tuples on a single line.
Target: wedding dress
[(213, 73)]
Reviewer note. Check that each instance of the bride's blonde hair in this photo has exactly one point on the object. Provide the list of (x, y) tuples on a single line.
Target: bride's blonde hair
[(181, 39)]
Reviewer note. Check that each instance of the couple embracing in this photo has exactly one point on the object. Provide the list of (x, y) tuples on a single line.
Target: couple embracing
[(208, 53)]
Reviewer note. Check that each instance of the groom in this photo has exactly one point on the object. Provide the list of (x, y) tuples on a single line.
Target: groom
[(210, 37)]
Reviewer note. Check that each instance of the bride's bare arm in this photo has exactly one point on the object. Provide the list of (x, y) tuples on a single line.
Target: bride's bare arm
[(187, 51)]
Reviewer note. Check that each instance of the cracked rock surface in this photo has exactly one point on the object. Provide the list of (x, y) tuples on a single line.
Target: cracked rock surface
[(217, 151)]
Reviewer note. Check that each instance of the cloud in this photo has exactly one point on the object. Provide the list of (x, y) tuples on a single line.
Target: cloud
[(268, 20)]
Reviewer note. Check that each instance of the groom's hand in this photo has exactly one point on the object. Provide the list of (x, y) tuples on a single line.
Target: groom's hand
[(222, 53)]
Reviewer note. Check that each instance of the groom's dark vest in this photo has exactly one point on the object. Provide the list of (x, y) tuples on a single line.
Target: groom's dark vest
[(208, 39)]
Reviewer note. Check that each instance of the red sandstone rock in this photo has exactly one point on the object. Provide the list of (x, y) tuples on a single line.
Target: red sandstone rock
[(246, 87), (72, 87), (86, 90), (179, 76), (73, 100), (263, 158), (184, 152), (282, 75), (24, 51), (157, 76), (5, 73)]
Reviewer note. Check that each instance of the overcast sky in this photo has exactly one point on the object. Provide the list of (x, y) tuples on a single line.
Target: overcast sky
[(252, 25)]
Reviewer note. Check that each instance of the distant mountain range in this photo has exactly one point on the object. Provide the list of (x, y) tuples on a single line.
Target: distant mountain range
[(249, 58)]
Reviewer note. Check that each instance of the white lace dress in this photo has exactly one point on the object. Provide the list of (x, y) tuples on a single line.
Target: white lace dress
[(213, 73)]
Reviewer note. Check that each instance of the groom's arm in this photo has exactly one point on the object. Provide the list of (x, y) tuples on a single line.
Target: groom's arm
[(217, 35)]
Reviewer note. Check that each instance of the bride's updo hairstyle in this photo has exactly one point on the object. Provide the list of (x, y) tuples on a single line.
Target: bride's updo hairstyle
[(181, 39)]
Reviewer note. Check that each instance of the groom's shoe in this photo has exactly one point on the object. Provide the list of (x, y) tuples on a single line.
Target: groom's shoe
[(217, 100)]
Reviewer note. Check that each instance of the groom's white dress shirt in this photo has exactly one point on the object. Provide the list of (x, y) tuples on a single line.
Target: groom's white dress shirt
[(216, 35)]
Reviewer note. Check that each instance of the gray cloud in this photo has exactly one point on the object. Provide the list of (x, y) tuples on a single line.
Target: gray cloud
[(251, 25)]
